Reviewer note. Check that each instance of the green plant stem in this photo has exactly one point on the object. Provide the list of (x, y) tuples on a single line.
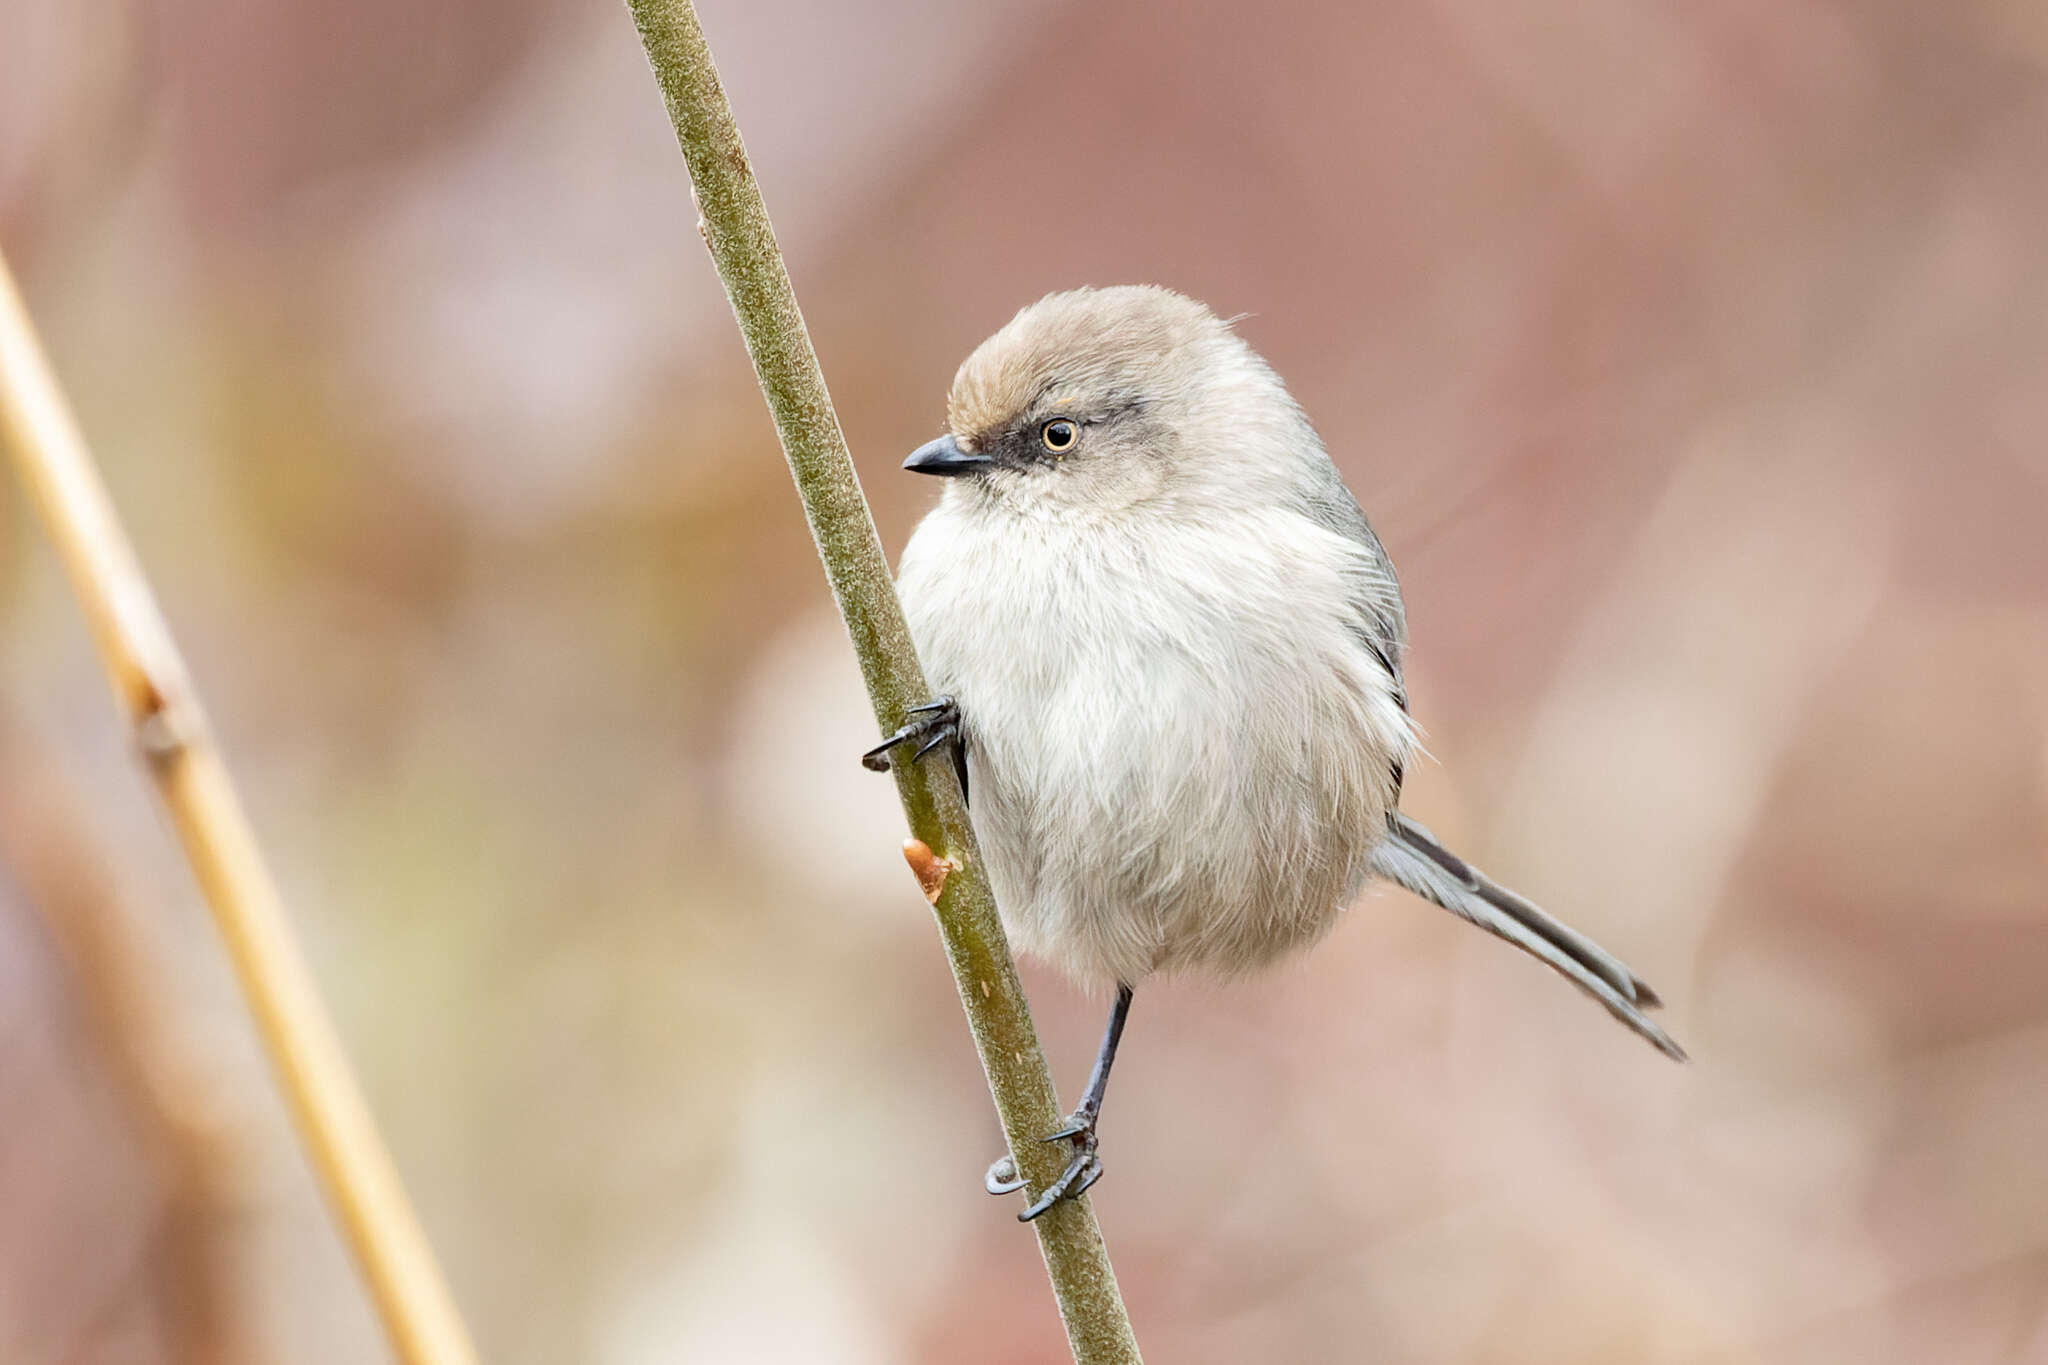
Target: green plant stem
[(734, 224)]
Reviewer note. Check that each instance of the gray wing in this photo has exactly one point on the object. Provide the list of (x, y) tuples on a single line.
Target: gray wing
[(1375, 616), (1375, 599)]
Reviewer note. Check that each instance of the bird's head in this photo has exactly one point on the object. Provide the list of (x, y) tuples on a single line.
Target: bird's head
[(1095, 400)]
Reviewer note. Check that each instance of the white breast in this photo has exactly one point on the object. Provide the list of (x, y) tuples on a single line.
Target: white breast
[(1176, 756)]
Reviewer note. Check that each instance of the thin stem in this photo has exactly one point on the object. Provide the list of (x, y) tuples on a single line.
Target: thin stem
[(156, 697), (734, 224)]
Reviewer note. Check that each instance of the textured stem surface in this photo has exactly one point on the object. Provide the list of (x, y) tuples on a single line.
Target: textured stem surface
[(735, 226), (156, 697)]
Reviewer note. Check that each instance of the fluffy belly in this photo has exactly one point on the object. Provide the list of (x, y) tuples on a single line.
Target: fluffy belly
[(1171, 763), (1174, 818)]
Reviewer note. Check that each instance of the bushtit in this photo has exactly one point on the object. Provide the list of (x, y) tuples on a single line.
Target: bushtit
[(1168, 648)]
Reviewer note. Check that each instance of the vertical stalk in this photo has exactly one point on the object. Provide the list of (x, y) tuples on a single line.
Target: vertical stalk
[(163, 714), (735, 226)]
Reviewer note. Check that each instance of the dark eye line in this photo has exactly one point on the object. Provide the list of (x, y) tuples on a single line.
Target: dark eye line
[(1027, 438)]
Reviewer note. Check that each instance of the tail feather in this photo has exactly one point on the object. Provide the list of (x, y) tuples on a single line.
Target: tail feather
[(1411, 857)]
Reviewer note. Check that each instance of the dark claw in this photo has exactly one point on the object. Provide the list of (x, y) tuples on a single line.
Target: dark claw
[(1081, 1172), (934, 723), (1084, 1170)]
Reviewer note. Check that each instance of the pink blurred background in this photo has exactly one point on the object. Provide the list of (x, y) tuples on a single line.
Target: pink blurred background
[(1691, 361)]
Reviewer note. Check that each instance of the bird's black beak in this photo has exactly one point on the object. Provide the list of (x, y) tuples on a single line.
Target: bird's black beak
[(944, 456)]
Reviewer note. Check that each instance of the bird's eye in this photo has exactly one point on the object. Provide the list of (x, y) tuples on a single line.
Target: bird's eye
[(1059, 436)]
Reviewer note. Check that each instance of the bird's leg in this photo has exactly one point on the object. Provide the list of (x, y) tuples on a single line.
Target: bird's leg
[(1086, 1167), (933, 724)]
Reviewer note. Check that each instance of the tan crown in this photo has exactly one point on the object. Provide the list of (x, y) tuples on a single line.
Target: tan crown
[(1080, 346)]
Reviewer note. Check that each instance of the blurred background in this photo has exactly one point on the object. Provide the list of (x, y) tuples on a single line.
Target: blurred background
[(1691, 360)]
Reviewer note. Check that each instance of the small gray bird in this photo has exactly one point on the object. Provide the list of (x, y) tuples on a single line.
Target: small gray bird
[(1168, 647)]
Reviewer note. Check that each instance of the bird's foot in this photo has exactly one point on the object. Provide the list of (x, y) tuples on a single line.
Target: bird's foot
[(1084, 1170), (936, 722)]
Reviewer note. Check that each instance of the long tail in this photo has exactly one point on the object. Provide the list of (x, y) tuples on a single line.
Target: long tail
[(1411, 857)]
